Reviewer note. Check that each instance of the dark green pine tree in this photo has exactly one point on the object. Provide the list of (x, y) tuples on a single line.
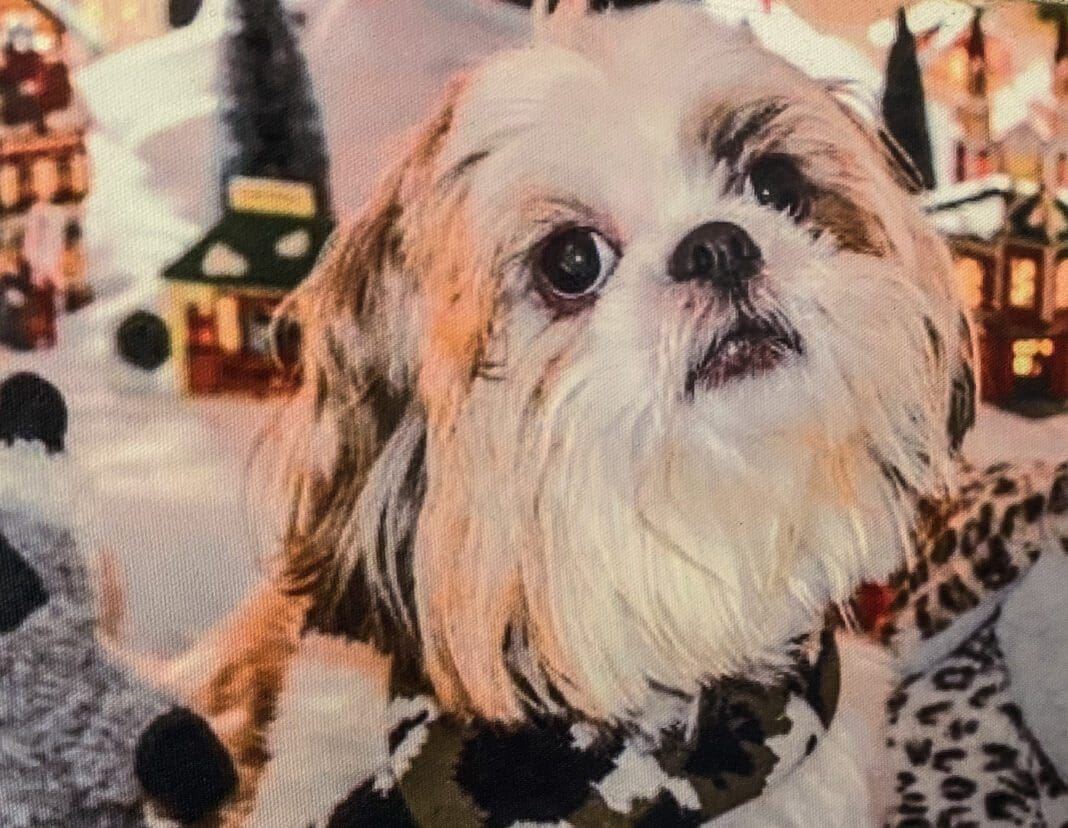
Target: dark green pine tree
[(273, 127), (1051, 12), (904, 106)]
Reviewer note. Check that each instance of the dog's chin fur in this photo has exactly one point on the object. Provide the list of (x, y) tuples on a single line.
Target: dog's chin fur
[(530, 499)]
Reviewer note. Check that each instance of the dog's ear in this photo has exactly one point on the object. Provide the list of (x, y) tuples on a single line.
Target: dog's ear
[(959, 353), (352, 441)]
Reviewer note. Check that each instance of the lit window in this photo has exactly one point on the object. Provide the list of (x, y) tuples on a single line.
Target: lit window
[(958, 65), (984, 165), (1028, 354), (970, 273), (94, 11), (1062, 284), (1022, 278)]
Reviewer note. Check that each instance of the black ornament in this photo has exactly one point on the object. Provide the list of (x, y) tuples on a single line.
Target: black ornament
[(143, 340), (32, 409), (183, 767)]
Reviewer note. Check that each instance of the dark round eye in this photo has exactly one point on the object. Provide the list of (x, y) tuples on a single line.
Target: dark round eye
[(778, 183), (574, 262)]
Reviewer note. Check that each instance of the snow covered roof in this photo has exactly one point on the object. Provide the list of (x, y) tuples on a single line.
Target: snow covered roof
[(981, 216), (996, 205), (247, 249)]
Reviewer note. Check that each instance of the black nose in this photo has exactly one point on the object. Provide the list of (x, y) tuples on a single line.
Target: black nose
[(718, 252)]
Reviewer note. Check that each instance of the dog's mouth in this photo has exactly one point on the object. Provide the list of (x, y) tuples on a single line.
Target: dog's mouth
[(752, 346)]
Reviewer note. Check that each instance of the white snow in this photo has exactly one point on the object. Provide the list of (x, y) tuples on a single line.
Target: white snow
[(973, 208), (1011, 104), (223, 260), (982, 218), (962, 190), (785, 32), (950, 17)]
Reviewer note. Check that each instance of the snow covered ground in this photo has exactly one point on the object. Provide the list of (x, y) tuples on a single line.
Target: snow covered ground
[(170, 472)]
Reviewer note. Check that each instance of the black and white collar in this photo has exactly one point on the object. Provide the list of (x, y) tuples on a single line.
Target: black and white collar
[(738, 739)]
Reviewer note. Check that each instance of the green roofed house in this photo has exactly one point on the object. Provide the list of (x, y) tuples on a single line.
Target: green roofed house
[(224, 291)]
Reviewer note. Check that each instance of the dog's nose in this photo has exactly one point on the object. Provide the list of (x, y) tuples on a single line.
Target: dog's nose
[(718, 252)]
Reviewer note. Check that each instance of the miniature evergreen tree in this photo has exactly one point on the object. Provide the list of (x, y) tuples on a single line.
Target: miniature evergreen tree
[(272, 122), (1051, 12), (904, 107)]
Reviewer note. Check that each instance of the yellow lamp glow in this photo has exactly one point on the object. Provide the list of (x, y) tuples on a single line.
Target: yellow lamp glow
[(1024, 352), (1022, 276), (970, 274)]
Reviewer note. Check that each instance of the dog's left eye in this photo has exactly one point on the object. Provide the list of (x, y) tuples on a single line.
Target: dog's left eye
[(778, 183), (574, 263)]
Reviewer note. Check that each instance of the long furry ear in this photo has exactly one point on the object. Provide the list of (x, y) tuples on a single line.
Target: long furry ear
[(959, 356), (352, 440)]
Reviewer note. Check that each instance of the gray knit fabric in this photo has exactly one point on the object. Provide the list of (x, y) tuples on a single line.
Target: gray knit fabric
[(69, 715)]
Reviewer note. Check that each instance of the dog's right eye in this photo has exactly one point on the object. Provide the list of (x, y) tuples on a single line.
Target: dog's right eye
[(573, 263)]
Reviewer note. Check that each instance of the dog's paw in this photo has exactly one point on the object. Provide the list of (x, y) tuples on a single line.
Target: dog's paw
[(184, 769)]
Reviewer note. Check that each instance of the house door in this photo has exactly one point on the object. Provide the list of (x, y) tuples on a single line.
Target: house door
[(1032, 367), (202, 332)]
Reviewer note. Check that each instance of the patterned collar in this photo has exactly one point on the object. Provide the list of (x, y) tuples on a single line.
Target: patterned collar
[(739, 739)]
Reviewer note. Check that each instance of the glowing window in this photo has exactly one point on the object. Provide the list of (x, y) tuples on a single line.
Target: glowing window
[(958, 65), (1061, 291), (94, 11), (970, 273), (1023, 274), (1028, 354), (985, 166)]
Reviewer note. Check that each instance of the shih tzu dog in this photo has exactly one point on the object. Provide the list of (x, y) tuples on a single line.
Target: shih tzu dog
[(635, 366)]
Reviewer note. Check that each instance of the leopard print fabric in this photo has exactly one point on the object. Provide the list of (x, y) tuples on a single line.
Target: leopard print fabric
[(963, 753), (975, 547), (960, 748)]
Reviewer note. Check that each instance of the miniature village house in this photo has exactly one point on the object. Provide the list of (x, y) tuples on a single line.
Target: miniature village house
[(1006, 219), (44, 177), (225, 289)]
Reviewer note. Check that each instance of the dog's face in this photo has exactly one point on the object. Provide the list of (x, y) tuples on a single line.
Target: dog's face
[(626, 373)]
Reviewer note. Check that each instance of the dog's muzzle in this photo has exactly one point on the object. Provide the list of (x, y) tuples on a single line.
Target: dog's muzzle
[(751, 346)]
